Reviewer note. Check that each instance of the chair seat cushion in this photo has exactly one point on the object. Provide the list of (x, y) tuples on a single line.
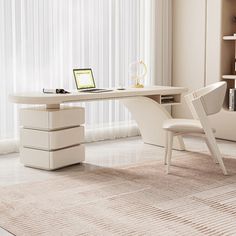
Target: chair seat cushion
[(183, 126)]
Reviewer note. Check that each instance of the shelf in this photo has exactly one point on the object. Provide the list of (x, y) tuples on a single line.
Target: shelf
[(170, 99), (233, 77), (229, 37), (171, 104), (167, 100)]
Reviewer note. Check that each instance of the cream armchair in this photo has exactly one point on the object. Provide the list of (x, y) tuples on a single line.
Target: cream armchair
[(202, 103)]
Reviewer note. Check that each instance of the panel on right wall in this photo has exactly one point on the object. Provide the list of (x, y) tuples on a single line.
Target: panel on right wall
[(188, 48)]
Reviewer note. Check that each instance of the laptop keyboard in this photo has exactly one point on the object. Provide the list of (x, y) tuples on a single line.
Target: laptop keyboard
[(90, 90), (95, 90)]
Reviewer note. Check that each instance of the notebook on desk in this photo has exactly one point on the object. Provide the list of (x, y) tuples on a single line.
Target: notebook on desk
[(85, 81)]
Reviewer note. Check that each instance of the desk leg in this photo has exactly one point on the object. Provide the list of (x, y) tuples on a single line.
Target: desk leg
[(150, 115)]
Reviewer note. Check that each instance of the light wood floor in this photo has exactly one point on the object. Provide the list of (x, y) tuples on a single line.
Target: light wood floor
[(101, 154)]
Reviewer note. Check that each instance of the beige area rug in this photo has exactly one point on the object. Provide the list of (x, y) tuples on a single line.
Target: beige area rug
[(195, 199)]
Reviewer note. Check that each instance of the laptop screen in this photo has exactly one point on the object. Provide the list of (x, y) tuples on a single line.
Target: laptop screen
[(84, 78)]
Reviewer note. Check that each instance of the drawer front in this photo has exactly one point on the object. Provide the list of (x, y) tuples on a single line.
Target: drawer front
[(54, 159), (34, 118), (52, 140), (66, 118), (35, 158), (68, 156), (34, 139), (52, 119), (66, 138)]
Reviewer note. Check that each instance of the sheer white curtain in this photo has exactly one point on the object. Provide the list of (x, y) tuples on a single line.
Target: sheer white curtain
[(41, 41)]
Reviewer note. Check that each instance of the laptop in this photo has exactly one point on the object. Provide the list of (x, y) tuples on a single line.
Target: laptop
[(85, 81)]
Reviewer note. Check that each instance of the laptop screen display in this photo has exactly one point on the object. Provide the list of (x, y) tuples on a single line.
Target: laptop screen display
[(84, 78)]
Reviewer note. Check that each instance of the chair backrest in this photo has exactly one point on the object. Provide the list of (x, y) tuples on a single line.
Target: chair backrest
[(210, 97)]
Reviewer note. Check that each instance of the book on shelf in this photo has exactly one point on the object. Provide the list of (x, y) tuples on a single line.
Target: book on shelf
[(232, 99), (234, 67)]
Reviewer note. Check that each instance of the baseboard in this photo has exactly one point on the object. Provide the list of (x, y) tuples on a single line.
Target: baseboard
[(111, 132), (9, 146)]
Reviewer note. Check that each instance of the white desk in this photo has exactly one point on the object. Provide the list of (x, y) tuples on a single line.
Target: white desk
[(146, 106), (49, 99)]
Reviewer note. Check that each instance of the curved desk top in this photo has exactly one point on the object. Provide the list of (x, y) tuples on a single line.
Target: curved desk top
[(41, 98)]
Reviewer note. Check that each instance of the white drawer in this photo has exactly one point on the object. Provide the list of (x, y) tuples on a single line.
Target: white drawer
[(52, 119), (52, 160), (52, 140)]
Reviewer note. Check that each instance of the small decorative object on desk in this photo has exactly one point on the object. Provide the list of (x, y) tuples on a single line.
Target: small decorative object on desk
[(55, 91), (138, 71)]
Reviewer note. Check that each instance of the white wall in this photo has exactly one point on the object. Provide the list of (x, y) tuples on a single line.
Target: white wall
[(188, 47), (213, 41)]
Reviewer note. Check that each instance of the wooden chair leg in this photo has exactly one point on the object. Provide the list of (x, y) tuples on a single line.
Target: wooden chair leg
[(211, 151), (216, 152), (169, 151)]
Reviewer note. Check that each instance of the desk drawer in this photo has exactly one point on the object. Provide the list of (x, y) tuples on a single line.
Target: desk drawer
[(51, 160), (52, 119), (52, 140)]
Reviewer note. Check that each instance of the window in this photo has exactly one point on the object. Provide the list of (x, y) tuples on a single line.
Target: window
[(42, 41)]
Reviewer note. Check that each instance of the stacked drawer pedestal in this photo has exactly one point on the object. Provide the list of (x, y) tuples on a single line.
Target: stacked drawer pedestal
[(52, 138)]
